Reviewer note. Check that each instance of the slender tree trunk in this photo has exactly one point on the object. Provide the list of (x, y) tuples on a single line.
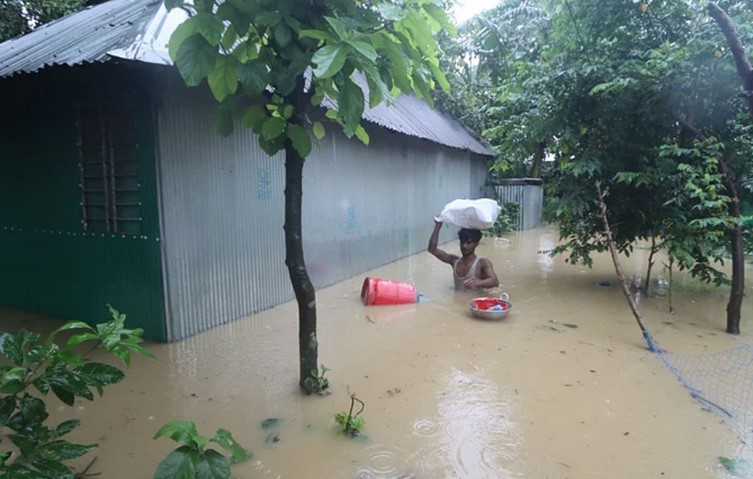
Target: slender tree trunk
[(737, 289), (671, 284), (602, 214), (651, 260), (305, 295), (538, 159), (299, 277), (745, 71)]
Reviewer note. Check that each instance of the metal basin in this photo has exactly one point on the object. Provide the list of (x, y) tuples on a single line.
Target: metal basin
[(480, 307)]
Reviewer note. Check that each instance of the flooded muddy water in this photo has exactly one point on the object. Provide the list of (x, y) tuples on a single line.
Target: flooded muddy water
[(564, 387)]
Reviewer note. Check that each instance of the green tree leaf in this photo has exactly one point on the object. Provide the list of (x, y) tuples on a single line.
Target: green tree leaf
[(209, 26), (273, 128), (329, 60), (283, 34), (223, 80), (67, 426), (392, 12), (351, 106), (319, 131), (62, 450), (196, 59), (300, 138), (365, 49), (254, 77), (226, 440), (100, 374), (53, 468), (179, 464), (362, 135), (254, 117), (212, 465), (182, 432)]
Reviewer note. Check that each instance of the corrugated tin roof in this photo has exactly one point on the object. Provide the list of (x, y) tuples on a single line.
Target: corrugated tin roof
[(140, 30), (85, 36)]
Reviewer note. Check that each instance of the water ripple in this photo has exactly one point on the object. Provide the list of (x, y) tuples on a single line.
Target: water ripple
[(385, 462), (425, 428)]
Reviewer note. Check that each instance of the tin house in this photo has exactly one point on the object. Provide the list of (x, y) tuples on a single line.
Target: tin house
[(117, 189)]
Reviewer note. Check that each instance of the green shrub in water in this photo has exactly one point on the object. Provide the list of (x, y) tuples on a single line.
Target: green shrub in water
[(39, 450), (350, 424), (192, 459)]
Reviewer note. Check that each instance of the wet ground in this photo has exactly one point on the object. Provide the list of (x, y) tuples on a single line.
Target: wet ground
[(562, 388)]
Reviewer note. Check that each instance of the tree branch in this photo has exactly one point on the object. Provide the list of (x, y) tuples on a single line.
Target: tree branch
[(742, 63)]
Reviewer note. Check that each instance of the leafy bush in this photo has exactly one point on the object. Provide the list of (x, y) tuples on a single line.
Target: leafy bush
[(48, 367), (192, 459)]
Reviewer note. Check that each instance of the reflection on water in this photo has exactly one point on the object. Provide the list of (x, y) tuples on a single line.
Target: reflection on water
[(544, 260), (562, 388)]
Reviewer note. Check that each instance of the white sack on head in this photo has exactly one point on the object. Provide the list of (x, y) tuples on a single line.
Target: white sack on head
[(473, 214)]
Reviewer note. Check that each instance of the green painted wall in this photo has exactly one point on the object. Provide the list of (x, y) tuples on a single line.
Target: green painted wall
[(48, 263)]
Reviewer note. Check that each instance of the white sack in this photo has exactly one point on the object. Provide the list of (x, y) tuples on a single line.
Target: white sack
[(473, 214)]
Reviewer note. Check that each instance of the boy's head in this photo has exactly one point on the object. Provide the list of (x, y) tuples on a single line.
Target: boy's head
[(467, 234), (469, 239)]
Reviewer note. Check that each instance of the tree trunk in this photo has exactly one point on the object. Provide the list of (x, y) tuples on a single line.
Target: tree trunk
[(737, 290), (745, 71), (299, 277), (602, 214), (651, 260), (305, 295), (538, 159)]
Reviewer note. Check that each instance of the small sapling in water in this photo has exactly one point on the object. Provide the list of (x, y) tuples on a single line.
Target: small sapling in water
[(349, 423)]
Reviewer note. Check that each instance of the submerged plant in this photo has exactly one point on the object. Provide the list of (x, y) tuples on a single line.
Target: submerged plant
[(350, 424), (316, 382), (192, 459), (40, 450)]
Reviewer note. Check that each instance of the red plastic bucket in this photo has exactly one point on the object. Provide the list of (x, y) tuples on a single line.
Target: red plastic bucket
[(377, 292)]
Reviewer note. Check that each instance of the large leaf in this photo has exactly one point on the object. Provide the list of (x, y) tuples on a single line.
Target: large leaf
[(181, 33), (254, 77), (365, 49), (301, 139), (182, 432), (271, 147), (338, 27), (440, 16), (212, 465), (329, 60), (319, 131), (53, 468), (273, 128), (13, 386), (7, 406), (391, 11), (195, 59), (398, 65), (33, 410), (209, 26), (63, 450), (99, 374), (226, 440), (223, 80), (378, 90), (63, 394), (254, 117), (67, 426), (179, 464), (283, 34), (350, 106)]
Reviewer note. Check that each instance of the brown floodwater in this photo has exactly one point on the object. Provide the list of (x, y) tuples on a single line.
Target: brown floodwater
[(564, 387)]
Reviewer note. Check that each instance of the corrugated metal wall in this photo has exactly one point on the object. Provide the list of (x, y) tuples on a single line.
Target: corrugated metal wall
[(222, 210), (48, 263), (530, 200)]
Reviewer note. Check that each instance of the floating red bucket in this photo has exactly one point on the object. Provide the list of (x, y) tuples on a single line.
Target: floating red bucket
[(377, 292)]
